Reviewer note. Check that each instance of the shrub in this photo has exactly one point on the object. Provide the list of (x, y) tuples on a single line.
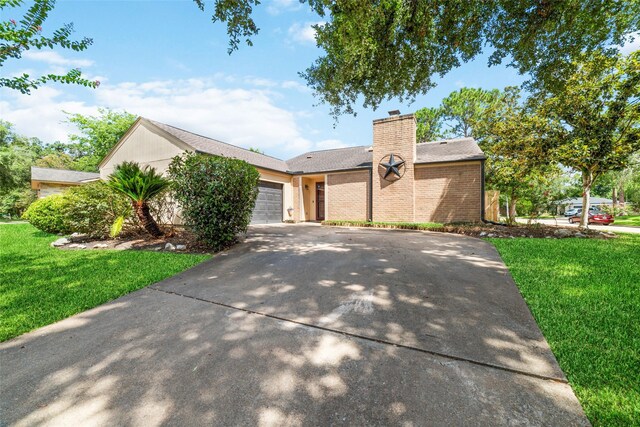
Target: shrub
[(48, 214), (15, 202), (93, 208), (216, 195)]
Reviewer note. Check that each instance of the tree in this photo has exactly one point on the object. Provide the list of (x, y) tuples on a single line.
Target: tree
[(596, 116), (98, 135), (140, 185), (511, 134), (380, 50), (429, 124), (16, 37), (466, 108)]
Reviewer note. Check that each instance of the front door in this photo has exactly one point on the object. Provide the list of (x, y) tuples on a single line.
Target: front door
[(320, 201)]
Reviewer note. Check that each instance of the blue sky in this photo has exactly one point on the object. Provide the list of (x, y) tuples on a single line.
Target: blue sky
[(167, 61)]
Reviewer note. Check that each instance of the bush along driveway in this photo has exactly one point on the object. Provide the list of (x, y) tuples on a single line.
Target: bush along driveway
[(302, 325), (41, 284)]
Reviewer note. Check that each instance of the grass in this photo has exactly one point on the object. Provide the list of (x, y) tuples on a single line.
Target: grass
[(628, 220), (40, 285), (585, 296), (433, 226)]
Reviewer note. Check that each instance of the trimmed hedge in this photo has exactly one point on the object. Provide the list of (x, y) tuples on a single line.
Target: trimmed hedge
[(216, 194), (48, 214), (93, 208)]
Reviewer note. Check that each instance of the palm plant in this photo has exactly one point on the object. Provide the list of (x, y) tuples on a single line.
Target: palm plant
[(140, 185)]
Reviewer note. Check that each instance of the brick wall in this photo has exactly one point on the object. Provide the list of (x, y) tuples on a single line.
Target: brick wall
[(347, 195), (448, 192), (394, 201)]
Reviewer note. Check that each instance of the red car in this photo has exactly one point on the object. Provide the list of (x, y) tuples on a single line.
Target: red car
[(595, 217)]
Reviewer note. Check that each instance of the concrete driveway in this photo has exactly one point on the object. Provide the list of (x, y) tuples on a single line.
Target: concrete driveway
[(301, 325)]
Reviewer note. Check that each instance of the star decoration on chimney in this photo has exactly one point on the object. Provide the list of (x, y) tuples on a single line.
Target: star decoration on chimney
[(393, 166)]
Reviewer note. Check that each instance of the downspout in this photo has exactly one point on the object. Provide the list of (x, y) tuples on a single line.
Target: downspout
[(370, 195), (482, 206)]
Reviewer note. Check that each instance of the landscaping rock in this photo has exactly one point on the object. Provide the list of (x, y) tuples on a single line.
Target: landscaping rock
[(77, 246), (60, 242), (78, 237), (181, 247), (169, 247), (578, 234), (483, 233), (562, 232), (100, 245)]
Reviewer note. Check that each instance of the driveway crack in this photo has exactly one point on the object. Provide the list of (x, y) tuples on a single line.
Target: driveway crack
[(371, 339)]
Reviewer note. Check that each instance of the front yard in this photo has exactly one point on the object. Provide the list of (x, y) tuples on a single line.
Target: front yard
[(628, 220), (40, 285), (585, 296)]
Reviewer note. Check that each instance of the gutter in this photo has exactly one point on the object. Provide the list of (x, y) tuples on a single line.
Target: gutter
[(370, 213)]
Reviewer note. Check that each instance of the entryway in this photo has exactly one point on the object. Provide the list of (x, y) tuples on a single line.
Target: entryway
[(320, 201)]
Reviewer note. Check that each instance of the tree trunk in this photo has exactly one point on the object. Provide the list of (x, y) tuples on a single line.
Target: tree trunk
[(614, 197), (587, 182), (146, 220), (512, 209)]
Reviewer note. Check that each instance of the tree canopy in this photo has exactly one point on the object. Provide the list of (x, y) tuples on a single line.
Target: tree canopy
[(18, 35), (380, 50)]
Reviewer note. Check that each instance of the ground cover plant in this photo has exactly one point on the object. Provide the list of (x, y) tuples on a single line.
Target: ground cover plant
[(40, 285), (585, 296)]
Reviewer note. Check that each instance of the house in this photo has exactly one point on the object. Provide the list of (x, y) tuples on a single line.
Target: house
[(394, 179), (576, 203), (48, 181)]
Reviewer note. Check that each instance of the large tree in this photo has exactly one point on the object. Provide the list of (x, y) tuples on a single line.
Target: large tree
[(377, 50), (597, 118), (465, 110), (98, 135), (511, 133), (18, 35), (429, 124)]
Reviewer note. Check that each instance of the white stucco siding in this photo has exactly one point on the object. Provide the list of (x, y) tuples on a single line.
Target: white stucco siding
[(146, 146)]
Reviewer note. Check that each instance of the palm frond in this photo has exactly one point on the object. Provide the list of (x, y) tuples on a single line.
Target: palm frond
[(139, 184)]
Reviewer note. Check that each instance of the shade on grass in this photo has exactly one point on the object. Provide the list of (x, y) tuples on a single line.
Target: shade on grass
[(585, 296), (40, 284)]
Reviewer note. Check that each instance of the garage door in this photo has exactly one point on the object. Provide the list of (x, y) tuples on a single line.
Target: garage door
[(268, 204)]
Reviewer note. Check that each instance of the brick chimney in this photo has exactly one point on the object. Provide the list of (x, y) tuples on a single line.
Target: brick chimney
[(393, 196)]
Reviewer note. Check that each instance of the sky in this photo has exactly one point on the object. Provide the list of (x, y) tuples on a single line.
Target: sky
[(166, 60)]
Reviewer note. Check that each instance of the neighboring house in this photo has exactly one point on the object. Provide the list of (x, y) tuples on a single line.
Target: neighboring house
[(394, 179), (576, 203), (47, 181)]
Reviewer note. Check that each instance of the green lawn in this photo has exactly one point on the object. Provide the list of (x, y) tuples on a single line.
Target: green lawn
[(585, 296), (627, 220), (40, 284)]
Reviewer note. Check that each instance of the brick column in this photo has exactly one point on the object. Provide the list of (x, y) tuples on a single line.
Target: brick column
[(394, 200)]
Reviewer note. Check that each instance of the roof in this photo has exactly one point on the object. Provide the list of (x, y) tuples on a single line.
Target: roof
[(449, 150), (61, 175), (359, 157), (331, 160), (206, 145)]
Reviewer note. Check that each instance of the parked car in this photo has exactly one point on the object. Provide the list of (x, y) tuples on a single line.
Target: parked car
[(572, 212), (595, 217)]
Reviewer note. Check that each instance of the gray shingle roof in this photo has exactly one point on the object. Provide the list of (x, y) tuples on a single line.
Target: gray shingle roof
[(325, 160), (331, 160), (218, 148), (61, 175), (449, 150)]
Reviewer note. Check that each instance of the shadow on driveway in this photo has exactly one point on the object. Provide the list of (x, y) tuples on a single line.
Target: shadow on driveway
[(301, 325)]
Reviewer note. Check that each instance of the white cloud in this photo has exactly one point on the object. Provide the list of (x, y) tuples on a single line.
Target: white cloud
[(631, 46), (245, 117), (52, 58), (276, 7), (303, 32)]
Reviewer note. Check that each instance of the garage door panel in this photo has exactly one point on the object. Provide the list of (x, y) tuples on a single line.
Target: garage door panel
[(268, 207)]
